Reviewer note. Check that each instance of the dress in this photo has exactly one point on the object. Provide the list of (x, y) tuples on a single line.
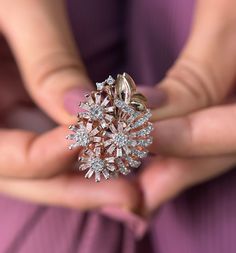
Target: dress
[(143, 38)]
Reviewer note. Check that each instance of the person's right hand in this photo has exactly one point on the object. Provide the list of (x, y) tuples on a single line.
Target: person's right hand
[(33, 166)]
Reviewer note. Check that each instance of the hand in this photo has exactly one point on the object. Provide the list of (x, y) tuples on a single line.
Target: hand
[(195, 136), (35, 166)]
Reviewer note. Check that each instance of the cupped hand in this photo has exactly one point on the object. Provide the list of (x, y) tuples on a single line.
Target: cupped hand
[(194, 136), (34, 166)]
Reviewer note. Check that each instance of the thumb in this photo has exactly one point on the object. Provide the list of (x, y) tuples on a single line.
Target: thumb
[(203, 74), (39, 35)]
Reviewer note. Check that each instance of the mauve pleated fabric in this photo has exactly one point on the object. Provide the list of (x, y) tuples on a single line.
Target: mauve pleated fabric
[(142, 37)]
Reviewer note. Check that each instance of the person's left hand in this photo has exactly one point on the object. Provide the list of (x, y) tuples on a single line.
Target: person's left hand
[(195, 136)]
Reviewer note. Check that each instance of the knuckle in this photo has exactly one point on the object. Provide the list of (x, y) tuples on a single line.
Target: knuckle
[(197, 80), (32, 167), (52, 67)]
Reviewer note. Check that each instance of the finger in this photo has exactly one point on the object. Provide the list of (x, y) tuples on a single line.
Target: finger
[(73, 191), (137, 224), (28, 155), (41, 40), (205, 70), (204, 133), (165, 178)]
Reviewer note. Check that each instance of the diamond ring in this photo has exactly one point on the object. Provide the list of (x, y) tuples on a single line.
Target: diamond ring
[(113, 131)]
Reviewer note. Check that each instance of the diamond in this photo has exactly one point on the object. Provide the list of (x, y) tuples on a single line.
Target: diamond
[(145, 142), (97, 177), (119, 103), (139, 153), (123, 170), (124, 107), (142, 120), (133, 163), (82, 138), (143, 132), (96, 112), (106, 174), (133, 116), (97, 164), (132, 143), (110, 80), (100, 86), (120, 140)]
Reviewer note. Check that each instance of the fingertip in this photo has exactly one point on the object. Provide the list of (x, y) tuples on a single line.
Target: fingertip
[(63, 106), (127, 195), (56, 155), (72, 99), (136, 223), (156, 96)]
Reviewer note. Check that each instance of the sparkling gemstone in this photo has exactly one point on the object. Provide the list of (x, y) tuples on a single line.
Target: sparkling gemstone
[(133, 163), (96, 112), (110, 80), (97, 164), (132, 117), (122, 168), (139, 153), (106, 174), (143, 132), (129, 110), (118, 103), (100, 86), (132, 143), (97, 177), (124, 107), (121, 140), (145, 142), (142, 120), (81, 137)]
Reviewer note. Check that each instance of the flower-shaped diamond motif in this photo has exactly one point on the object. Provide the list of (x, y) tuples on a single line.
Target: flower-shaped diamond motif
[(114, 129), (83, 135), (119, 140), (128, 141), (98, 108), (95, 164)]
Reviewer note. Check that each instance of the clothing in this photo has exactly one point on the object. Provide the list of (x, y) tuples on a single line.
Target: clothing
[(143, 38)]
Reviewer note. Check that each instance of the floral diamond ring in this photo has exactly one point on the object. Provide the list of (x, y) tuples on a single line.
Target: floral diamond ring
[(113, 131)]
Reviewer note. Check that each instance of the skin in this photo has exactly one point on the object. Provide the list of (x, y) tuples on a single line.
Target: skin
[(194, 133), (36, 167)]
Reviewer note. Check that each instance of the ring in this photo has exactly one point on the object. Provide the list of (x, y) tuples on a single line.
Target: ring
[(113, 130)]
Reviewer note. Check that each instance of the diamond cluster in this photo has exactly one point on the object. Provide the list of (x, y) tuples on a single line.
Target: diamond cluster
[(112, 134)]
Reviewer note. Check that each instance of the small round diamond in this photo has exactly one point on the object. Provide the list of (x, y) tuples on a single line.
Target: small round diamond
[(110, 80), (96, 112), (82, 138), (97, 164), (121, 140), (100, 86)]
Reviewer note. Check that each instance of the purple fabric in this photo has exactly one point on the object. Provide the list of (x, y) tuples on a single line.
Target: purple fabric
[(142, 37)]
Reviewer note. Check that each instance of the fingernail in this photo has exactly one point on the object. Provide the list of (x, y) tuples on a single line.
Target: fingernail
[(156, 96), (72, 98)]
